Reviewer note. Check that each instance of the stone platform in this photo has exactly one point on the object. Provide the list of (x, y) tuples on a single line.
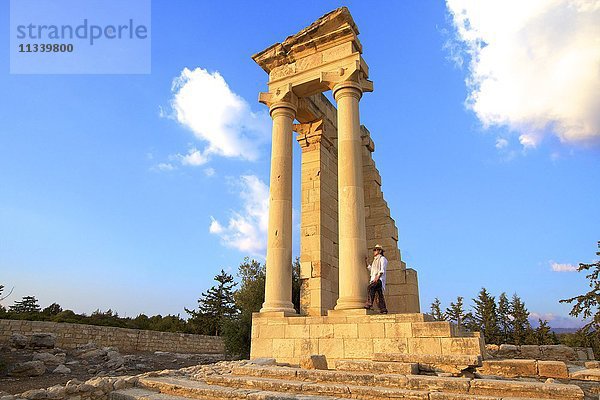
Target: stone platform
[(254, 382), (357, 334)]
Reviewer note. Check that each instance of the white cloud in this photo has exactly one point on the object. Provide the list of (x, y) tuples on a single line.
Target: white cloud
[(501, 143), (194, 157), (558, 267), (209, 171), (534, 65), (246, 229), (204, 103), (165, 167)]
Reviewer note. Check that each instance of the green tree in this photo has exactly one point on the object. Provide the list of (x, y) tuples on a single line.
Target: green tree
[(215, 306), (436, 310), (484, 317), (168, 323), (52, 309), (543, 333), (29, 304), (456, 312), (504, 322), (141, 322), (248, 299), (520, 326), (587, 305)]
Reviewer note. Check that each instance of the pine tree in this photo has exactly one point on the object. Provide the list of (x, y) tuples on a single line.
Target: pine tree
[(484, 317), (543, 334), (587, 305), (456, 312), (52, 309), (436, 310), (504, 322), (215, 306), (248, 299), (521, 329), (29, 304)]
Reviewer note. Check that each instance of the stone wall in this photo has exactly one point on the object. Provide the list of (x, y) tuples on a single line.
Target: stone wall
[(69, 336), (543, 352)]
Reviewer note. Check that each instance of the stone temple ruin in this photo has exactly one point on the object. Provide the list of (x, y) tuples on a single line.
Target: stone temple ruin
[(334, 348), (343, 211)]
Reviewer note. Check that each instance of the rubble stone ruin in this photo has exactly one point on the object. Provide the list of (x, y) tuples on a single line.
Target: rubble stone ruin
[(343, 212)]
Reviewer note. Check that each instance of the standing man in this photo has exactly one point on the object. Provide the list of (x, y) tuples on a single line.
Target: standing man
[(377, 282)]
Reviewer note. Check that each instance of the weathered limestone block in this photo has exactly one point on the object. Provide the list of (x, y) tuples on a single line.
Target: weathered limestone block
[(558, 352), (50, 359), (510, 368), (592, 364), (313, 361), (530, 352), (42, 340), (436, 383), (508, 351), (35, 394), (432, 329), (553, 369), (377, 367), (61, 369), (18, 341), (587, 375), (458, 396), (519, 389), (433, 362), (29, 368)]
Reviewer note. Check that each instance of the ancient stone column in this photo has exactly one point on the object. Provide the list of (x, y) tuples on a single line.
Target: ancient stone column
[(353, 277), (278, 285)]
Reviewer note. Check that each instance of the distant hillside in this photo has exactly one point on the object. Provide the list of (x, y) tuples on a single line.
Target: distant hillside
[(564, 330)]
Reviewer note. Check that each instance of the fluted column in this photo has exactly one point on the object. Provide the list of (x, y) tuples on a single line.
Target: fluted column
[(278, 285), (353, 279)]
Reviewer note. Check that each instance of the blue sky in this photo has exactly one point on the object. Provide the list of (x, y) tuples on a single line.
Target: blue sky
[(117, 192)]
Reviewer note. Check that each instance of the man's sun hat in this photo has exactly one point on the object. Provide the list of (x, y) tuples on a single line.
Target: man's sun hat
[(377, 247)]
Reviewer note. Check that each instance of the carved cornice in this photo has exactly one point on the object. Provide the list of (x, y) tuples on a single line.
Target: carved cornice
[(329, 30)]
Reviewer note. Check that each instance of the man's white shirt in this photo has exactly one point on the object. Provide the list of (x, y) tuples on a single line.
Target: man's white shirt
[(378, 266)]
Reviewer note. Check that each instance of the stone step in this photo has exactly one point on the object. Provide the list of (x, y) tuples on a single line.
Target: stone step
[(433, 362), (164, 388), (294, 377), (468, 360), (377, 367), (337, 390), (419, 382), (369, 392)]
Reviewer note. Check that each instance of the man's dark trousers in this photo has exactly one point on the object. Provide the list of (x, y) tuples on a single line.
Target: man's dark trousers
[(376, 289)]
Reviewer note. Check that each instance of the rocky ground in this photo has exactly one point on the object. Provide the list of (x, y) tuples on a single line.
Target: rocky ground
[(34, 362)]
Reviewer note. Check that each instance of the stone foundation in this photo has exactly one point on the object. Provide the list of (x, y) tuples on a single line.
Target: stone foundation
[(356, 335)]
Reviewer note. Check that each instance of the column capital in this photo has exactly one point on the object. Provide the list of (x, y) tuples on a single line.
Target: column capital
[(352, 77), (313, 132), (281, 99)]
